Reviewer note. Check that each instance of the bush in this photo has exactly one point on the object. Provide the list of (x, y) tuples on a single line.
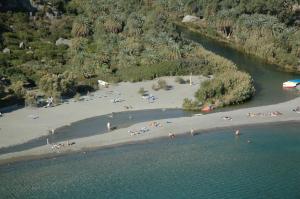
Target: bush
[(30, 99), (155, 87), (77, 97), (161, 84), (18, 89), (81, 27), (232, 87), (180, 80), (2, 90), (57, 85), (190, 105), (142, 91)]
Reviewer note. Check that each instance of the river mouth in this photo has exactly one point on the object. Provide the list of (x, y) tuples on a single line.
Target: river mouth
[(267, 78), (268, 83), (213, 165)]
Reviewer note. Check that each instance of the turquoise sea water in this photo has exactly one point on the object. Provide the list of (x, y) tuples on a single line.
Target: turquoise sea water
[(210, 165)]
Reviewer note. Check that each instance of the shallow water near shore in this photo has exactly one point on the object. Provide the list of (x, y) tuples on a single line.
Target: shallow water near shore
[(210, 165), (97, 125)]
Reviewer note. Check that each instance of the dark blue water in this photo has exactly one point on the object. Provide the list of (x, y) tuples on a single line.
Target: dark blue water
[(210, 165), (97, 125)]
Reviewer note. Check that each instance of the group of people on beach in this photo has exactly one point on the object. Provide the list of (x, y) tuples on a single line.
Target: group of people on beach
[(137, 132), (145, 129), (155, 124), (60, 145), (271, 114)]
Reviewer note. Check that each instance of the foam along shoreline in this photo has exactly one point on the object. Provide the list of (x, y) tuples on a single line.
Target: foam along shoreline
[(25, 124), (177, 126)]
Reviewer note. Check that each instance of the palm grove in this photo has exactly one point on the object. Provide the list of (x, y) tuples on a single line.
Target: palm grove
[(135, 40)]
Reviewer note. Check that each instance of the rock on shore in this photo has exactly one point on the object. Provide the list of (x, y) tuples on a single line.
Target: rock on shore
[(190, 18)]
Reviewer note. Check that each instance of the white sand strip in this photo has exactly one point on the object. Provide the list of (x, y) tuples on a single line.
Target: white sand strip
[(176, 126)]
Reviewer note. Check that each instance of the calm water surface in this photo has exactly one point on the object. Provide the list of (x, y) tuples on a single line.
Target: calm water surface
[(211, 165), (267, 78)]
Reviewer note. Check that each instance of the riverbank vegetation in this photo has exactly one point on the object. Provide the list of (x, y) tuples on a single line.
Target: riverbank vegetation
[(227, 87), (267, 29), (63, 46)]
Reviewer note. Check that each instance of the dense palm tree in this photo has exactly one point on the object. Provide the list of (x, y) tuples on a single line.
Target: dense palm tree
[(113, 25), (81, 27)]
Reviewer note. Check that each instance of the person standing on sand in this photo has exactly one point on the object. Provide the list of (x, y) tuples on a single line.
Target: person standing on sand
[(171, 135), (108, 126), (192, 132)]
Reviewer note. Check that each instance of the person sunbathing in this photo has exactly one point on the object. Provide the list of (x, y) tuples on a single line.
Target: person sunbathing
[(227, 118)]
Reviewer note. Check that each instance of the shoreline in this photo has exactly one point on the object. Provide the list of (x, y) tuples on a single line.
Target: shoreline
[(25, 124), (203, 123), (84, 150)]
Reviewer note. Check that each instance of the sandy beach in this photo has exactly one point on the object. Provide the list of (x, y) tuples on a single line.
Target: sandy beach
[(20, 126), (249, 116)]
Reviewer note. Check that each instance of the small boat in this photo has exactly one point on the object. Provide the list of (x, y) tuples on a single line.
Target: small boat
[(291, 83), (237, 132)]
